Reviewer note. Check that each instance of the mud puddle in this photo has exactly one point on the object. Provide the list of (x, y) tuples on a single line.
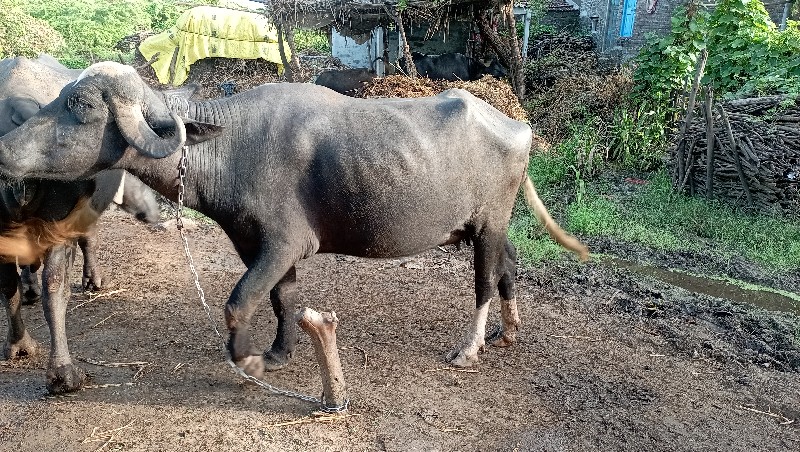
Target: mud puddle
[(762, 297)]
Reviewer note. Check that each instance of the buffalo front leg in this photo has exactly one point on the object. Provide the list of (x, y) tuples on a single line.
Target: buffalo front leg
[(489, 254), (18, 342), (62, 375), (259, 279), (92, 277), (506, 333), (284, 299)]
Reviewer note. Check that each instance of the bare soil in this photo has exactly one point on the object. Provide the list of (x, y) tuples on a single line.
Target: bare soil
[(606, 360)]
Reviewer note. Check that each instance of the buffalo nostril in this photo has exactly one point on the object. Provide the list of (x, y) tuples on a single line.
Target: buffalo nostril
[(141, 216)]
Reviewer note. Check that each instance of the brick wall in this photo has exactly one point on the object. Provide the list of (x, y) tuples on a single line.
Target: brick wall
[(650, 17)]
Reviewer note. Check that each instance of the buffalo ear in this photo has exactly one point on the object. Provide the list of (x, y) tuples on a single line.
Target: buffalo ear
[(22, 108), (197, 132)]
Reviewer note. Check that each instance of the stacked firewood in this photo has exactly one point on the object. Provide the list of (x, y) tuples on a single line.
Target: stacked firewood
[(753, 145)]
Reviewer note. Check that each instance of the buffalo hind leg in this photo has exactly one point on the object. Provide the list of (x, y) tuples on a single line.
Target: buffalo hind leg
[(30, 290), (62, 375), (18, 342), (284, 300), (489, 256), (506, 333), (261, 276)]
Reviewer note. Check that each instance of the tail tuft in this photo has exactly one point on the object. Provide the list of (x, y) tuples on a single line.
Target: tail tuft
[(556, 233)]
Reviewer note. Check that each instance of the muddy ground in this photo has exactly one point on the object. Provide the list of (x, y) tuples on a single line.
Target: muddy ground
[(607, 359)]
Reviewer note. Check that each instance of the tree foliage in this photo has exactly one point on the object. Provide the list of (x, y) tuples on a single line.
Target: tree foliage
[(748, 55), (24, 35), (80, 32)]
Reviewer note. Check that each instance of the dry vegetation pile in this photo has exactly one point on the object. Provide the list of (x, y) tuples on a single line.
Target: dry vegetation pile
[(496, 92), (755, 154), (220, 76), (566, 82), (556, 56)]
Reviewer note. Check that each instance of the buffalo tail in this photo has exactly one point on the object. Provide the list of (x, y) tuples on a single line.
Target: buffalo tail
[(27, 242), (556, 233)]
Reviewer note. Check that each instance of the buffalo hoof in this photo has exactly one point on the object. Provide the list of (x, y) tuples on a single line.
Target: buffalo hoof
[(252, 365), (95, 283), (31, 294), (463, 357), (275, 361), (500, 338), (25, 347), (64, 379)]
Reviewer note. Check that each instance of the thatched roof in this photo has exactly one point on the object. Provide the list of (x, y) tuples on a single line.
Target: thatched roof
[(359, 16)]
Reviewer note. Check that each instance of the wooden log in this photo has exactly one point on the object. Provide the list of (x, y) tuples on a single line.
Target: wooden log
[(687, 175), (735, 154), (321, 328)]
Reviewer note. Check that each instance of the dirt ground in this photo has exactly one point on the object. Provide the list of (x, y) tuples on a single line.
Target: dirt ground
[(607, 360)]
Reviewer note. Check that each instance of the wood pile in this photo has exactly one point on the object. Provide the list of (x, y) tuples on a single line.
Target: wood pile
[(753, 145), (546, 43)]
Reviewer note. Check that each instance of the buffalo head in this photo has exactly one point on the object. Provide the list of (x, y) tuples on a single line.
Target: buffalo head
[(89, 127)]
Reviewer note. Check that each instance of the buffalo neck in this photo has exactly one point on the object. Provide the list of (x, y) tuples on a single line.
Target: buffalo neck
[(206, 181)]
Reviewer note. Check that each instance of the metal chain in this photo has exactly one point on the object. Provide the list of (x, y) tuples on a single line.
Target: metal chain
[(236, 369)]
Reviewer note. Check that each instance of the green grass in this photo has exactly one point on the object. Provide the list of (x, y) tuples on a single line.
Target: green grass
[(654, 217), (313, 41)]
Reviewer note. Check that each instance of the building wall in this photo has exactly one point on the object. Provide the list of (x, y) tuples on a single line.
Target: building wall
[(360, 51), (652, 16)]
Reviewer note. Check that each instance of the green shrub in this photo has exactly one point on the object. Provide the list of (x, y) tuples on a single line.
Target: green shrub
[(24, 35), (311, 41), (638, 135), (92, 28), (747, 53)]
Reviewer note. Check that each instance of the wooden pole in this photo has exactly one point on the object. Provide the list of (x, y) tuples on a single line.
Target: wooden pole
[(698, 74), (411, 69), (709, 105)]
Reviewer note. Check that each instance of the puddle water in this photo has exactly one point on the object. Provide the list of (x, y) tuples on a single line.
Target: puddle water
[(763, 298)]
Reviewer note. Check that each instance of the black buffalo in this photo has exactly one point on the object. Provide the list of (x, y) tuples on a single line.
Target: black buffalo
[(39, 218), (345, 81), (291, 170), (453, 67)]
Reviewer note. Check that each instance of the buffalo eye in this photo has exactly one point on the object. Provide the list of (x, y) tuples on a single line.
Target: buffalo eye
[(81, 108)]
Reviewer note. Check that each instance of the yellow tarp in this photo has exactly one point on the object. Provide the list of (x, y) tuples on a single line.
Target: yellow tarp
[(208, 31)]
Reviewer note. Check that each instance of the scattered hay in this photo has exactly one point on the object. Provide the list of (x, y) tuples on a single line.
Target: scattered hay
[(497, 93)]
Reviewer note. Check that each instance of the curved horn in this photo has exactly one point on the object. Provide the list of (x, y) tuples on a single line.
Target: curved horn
[(138, 133)]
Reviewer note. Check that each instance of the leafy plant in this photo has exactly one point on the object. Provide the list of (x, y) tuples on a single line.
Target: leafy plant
[(24, 35), (311, 41), (638, 135), (91, 28), (747, 53)]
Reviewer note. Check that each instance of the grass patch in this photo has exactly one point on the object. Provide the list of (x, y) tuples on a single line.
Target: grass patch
[(653, 216)]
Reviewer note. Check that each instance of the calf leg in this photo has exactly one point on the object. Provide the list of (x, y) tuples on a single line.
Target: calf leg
[(261, 276), (489, 255), (506, 334), (30, 290), (92, 279), (284, 299), (18, 342), (62, 375)]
